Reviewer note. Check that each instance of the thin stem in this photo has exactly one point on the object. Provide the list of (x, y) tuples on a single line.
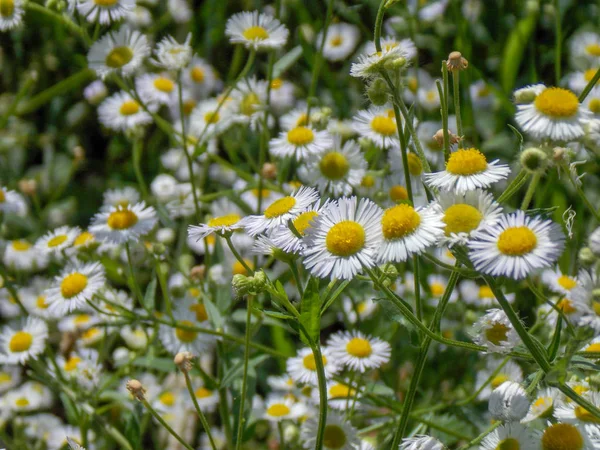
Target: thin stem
[(446, 92), (417, 288), (535, 179), (60, 19), (456, 98), (558, 42), (137, 156), (378, 24), (322, 382), (281, 435), (514, 186), (590, 86), (135, 286), (165, 424), (188, 383), (241, 260), (581, 194), (25, 87), (241, 419)]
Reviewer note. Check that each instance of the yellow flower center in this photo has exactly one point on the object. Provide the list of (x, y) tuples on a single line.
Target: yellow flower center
[(485, 292), (368, 181), (345, 238), (585, 416), (118, 57), (20, 342), (437, 289), (164, 84), (517, 241), (5, 378), (302, 120), (461, 218), (57, 240), (399, 221), (300, 136), (122, 219), (188, 107), (278, 410), (2, 194), (566, 306), (21, 246), (303, 221), (83, 238), (255, 33), (594, 105), (340, 391), (129, 108), (466, 162), (589, 74), (545, 405), (593, 49), (73, 284), (383, 125), (249, 104), (239, 269), (309, 362), (497, 334), (276, 83), (200, 310), (557, 102), (398, 193), (596, 307), (185, 335), (81, 319), (562, 436), (593, 348), (41, 302), (336, 41), (280, 207), (334, 437), (224, 221), (566, 282), (508, 444), (412, 84), (7, 8), (197, 74), (91, 333), (106, 3), (211, 117), (498, 380), (359, 347), (71, 363), (334, 165), (22, 402), (167, 398), (414, 164), (202, 393)]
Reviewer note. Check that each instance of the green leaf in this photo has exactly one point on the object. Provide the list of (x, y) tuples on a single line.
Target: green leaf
[(514, 51), (278, 315), (160, 364), (287, 61), (133, 431), (214, 314), (236, 371), (150, 295), (310, 311)]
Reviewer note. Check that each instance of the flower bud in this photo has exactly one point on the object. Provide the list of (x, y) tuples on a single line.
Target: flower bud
[(378, 92), (165, 236), (534, 160), (456, 62), (183, 360), (269, 171), (509, 402), (198, 272), (587, 257), (136, 389)]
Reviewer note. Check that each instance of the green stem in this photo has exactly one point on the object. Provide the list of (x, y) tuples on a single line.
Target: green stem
[(25, 87), (162, 281), (64, 20), (535, 179), (241, 260), (445, 111), (558, 42), (137, 156), (134, 284), (417, 288), (378, 24), (456, 97), (322, 383), (165, 424), (205, 425), (514, 186), (241, 419), (281, 435), (581, 194), (593, 82)]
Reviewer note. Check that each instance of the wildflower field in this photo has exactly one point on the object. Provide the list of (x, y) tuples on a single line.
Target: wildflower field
[(300, 224)]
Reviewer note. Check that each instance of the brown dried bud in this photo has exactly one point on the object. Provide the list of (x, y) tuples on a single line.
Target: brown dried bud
[(559, 154), (136, 389), (438, 137), (269, 171), (78, 154), (198, 272), (456, 62), (183, 360), (28, 186)]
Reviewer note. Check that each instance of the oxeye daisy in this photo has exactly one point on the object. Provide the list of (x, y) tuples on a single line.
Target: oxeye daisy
[(123, 223), (300, 142), (104, 11), (155, 88), (25, 341), (285, 239), (516, 246), (171, 55), (466, 214), (466, 170), (511, 436), (408, 231), (302, 368), (9, 201), (256, 31), (339, 434), (377, 124), (340, 41), (421, 443), (542, 405), (280, 211), (279, 408), (561, 436), (11, 14), (200, 76), (345, 237), (558, 282), (336, 170), (555, 114), (123, 50), (74, 287), (57, 240), (359, 352), (121, 112), (495, 332), (369, 65)]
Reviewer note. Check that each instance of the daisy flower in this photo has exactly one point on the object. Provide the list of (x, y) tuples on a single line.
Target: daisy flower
[(9, 201), (256, 31), (120, 197), (421, 443), (279, 408), (280, 211), (592, 102), (517, 246), (226, 221), (282, 383), (555, 114), (344, 238), (207, 399), (17, 345), (593, 346), (57, 240), (510, 371), (200, 76), (123, 224), (408, 231), (11, 14), (571, 412), (466, 214), (340, 41), (557, 282), (10, 376), (369, 65), (74, 287), (171, 55), (336, 170), (377, 124), (467, 170), (559, 436), (339, 434), (508, 402), (285, 239), (155, 88), (358, 351), (22, 400), (300, 142), (121, 112), (340, 395), (123, 50), (511, 436), (210, 118), (542, 406), (479, 295), (281, 95), (104, 11), (577, 81), (406, 46), (495, 332), (361, 310), (249, 99), (428, 97), (303, 369), (481, 94), (182, 337), (585, 49), (21, 255), (527, 94)]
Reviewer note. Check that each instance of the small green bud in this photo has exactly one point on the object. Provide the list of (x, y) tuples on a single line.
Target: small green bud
[(242, 285), (534, 160), (586, 256), (395, 64), (378, 92)]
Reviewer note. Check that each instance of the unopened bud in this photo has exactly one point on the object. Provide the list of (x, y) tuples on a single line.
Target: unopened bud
[(78, 154), (136, 389), (586, 256), (269, 171), (28, 187), (395, 64), (438, 137), (534, 160), (183, 360), (198, 272), (378, 92), (456, 62), (249, 285)]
